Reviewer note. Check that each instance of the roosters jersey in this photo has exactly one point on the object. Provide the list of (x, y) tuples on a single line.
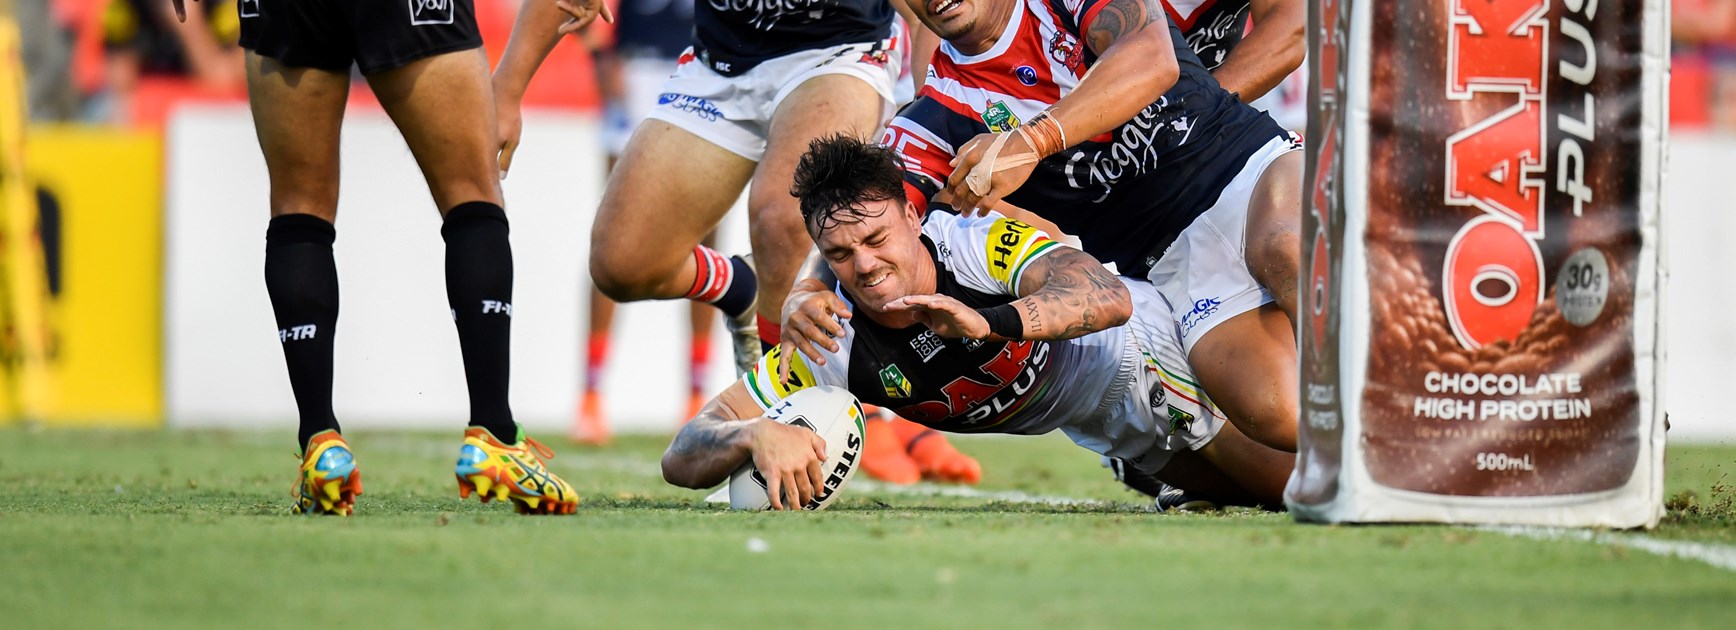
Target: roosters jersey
[(1080, 386), (736, 35), (1126, 193), (1211, 27)]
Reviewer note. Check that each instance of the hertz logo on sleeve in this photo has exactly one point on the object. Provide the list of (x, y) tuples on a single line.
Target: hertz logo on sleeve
[(801, 377), (1010, 247)]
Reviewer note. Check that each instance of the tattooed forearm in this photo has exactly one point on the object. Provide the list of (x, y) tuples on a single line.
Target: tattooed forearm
[(707, 449), (1120, 18), (1073, 289)]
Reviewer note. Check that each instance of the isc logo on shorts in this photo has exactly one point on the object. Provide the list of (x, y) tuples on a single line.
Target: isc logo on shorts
[(424, 12)]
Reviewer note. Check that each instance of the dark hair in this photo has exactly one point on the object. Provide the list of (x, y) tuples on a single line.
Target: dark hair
[(839, 175)]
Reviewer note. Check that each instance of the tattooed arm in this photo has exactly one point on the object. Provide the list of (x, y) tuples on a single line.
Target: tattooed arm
[(1270, 52), (728, 432), (1065, 294), (1135, 65)]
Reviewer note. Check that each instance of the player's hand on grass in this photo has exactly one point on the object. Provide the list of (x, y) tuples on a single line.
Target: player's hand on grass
[(946, 316), (789, 457), (583, 12), (810, 322), (1003, 182)]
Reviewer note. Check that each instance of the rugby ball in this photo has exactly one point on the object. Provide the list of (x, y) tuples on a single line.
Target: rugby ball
[(829, 411)]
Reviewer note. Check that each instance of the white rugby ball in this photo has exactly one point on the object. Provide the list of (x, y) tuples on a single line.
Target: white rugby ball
[(829, 411)]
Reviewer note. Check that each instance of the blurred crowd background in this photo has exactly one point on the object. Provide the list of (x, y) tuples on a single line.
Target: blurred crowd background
[(128, 62)]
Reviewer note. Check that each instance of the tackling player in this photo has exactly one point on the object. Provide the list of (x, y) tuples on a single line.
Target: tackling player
[(424, 63), (976, 325)]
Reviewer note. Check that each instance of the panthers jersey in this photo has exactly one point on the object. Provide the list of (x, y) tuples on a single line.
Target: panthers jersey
[(1211, 27), (1126, 193), (1083, 386)]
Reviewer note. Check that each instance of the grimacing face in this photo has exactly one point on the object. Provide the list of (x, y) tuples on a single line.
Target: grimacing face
[(878, 255)]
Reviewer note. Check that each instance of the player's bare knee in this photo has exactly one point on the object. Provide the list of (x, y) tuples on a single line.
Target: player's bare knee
[(624, 276)]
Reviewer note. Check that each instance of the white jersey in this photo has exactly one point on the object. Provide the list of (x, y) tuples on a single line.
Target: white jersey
[(1119, 391)]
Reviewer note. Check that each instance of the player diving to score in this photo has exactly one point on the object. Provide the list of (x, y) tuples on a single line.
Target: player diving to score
[(974, 325), (1096, 115)]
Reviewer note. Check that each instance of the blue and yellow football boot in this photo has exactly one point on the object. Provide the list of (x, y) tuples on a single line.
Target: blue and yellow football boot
[(494, 470), (329, 481)]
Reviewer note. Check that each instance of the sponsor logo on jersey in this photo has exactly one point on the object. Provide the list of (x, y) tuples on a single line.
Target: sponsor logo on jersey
[(1012, 377), (1158, 396), (697, 106), (1202, 309), (893, 381), (1180, 421), (927, 344), (248, 8), (1026, 74), (1000, 118), (1010, 247), (766, 14), (427, 12), (801, 377)]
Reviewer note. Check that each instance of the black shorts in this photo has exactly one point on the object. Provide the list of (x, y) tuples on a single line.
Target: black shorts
[(376, 35)]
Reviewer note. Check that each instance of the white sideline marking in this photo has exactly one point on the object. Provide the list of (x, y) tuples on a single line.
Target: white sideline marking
[(932, 490), (1719, 556)]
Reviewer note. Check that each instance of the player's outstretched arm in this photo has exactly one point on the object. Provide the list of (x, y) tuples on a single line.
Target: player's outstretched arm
[(728, 432), (1067, 294), (1270, 52)]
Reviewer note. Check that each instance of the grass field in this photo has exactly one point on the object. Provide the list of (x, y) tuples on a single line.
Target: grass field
[(191, 529)]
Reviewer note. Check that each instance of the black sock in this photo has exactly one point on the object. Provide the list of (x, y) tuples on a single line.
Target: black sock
[(302, 279), (743, 286), (479, 289)]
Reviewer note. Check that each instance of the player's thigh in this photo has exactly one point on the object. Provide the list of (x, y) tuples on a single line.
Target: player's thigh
[(820, 106), (668, 190), (1259, 470), (298, 115), (1247, 364), (444, 106)]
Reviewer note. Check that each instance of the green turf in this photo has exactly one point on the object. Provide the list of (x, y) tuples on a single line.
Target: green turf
[(190, 529)]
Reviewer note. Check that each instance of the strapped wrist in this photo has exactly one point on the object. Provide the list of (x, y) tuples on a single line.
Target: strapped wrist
[(1004, 321)]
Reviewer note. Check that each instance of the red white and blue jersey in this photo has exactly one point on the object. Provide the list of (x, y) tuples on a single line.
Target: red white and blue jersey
[(733, 36), (1211, 27), (1125, 193)]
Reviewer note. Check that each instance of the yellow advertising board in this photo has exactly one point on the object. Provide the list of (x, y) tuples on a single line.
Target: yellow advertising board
[(101, 191)]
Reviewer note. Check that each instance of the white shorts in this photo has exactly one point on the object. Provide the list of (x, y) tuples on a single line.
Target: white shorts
[(641, 81), (1204, 275), (1165, 395), (736, 112)]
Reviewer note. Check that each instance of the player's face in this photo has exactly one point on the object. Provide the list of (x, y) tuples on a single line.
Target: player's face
[(950, 19), (879, 258)]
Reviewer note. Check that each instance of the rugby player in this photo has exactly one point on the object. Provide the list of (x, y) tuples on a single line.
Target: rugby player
[(760, 81), (424, 62), (1146, 159), (974, 324)]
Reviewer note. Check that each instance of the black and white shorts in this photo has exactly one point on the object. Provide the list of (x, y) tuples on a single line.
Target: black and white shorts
[(375, 35)]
